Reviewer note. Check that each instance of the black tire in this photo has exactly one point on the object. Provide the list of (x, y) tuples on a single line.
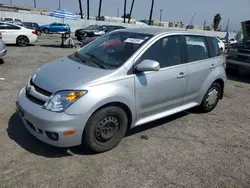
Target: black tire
[(46, 31), (206, 105), (22, 41), (105, 129)]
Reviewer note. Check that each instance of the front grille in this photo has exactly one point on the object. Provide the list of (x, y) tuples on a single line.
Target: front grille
[(34, 99), (40, 90)]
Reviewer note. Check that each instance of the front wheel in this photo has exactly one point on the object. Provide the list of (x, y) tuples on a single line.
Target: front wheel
[(105, 129), (211, 98)]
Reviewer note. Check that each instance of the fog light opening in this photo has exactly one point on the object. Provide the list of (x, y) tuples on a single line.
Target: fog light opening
[(52, 135)]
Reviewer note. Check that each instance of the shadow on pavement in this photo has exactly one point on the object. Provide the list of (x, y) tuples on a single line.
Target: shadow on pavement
[(156, 123), (1, 61), (17, 132), (242, 76), (51, 45)]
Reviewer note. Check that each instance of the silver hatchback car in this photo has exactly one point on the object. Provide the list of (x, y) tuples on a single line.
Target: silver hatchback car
[(121, 80)]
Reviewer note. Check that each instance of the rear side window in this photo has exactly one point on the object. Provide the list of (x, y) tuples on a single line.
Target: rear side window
[(9, 26), (196, 48), (214, 49)]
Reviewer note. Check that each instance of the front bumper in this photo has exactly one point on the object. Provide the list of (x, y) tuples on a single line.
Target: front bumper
[(38, 120), (236, 63), (3, 52)]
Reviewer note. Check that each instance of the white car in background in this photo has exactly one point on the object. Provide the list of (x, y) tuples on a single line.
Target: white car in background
[(221, 44), (14, 34)]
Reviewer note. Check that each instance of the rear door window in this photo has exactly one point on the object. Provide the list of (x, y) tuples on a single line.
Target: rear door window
[(12, 27), (196, 48), (214, 49)]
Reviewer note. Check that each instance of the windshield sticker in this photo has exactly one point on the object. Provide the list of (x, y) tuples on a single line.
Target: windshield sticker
[(134, 41)]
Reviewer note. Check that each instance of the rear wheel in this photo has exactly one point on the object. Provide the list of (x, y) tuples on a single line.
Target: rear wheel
[(22, 41), (211, 98), (46, 31), (105, 129), (38, 32)]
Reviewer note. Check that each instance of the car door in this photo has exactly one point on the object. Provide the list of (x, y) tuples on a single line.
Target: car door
[(163, 90), (54, 27), (199, 67)]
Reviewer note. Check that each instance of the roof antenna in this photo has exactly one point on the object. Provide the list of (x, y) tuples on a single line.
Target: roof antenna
[(190, 21)]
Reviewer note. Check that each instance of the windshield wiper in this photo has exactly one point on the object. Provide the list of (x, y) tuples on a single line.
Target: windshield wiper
[(77, 55), (96, 60)]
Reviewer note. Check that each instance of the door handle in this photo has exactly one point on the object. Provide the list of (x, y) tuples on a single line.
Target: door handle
[(181, 75), (212, 66)]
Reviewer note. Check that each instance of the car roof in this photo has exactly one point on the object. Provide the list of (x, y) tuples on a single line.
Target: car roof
[(157, 31)]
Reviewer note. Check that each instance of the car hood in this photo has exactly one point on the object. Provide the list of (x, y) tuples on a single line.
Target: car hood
[(64, 73)]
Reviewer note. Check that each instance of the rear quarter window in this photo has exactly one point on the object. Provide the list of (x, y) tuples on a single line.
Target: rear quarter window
[(214, 49)]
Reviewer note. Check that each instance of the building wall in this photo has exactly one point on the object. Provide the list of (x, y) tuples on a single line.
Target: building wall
[(76, 24)]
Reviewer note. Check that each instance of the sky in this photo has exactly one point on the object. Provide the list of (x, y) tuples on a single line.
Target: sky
[(173, 10)]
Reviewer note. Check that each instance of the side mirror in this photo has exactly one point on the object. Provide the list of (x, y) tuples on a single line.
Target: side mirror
[(148, 65)]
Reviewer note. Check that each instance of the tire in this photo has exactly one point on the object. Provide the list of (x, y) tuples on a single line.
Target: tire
[(232, 70), (214, 92), (46, 31), (22, 41), (105, 129), (38, 33)]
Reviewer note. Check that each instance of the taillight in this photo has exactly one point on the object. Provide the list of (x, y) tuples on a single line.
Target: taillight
[(0, 35), (34, 32)]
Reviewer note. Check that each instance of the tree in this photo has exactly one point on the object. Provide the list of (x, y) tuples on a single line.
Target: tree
[(131, 9), (100, 8), (124, 12), (151, 12), (80, 6), (216, 22), (88, 9)]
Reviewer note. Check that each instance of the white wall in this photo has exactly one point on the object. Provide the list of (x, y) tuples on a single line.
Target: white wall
[(76, 24)]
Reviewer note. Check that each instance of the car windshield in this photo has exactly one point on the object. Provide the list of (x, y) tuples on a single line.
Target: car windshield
[(112, 50), (91, 27)]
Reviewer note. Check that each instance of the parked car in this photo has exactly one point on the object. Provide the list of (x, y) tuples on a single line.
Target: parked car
[(14, 34), (221, 44), (10, 20), (3, 49), (33, 25), (55, 27), (95, 30), (123, 79), (87, 40), (238, 56)]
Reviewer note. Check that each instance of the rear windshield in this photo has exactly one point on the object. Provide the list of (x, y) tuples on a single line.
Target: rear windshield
[(112, 50)]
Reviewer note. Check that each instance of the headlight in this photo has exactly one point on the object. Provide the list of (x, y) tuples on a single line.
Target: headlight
[(61, 100)]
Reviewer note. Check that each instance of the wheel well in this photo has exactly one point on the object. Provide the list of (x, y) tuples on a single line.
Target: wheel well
[(122, 106), (221, 82)]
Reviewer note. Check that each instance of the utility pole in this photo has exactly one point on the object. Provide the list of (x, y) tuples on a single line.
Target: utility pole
[(11, 2), (124, 16), (80, 6), (60, 4), (100, 8), (160, 14), (35, 3), (87, 9), (151, 12), (118, 12), (204, 26), (190, 21)]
